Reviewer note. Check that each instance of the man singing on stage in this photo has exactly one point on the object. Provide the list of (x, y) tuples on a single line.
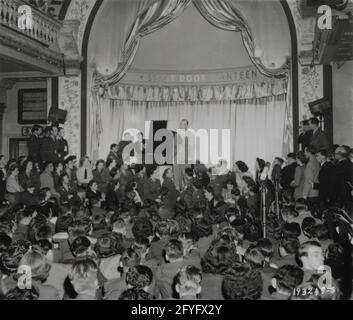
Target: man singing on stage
[(183, 153)]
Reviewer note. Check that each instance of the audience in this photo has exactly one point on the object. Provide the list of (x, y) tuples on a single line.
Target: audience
[(288, 173), (188, 283), (13, 186), (47, 178), (286, 280), (118, 232), (318, 139), (102, 176), (311, 174), (84, 173), (298, 181), (305, 136)]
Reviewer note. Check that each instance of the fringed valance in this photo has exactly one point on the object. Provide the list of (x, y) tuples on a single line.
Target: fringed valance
[(197, 93)]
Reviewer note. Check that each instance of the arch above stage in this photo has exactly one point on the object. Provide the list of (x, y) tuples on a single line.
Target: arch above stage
[(263, 27), (103, 57), (86, 11)]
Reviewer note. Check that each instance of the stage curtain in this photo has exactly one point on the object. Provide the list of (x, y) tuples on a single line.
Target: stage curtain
[(156, 15), (260, 130), (269, 27), (256, 125), (109, 53), (254, 19)]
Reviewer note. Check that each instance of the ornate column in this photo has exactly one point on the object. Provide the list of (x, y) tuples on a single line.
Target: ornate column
[(5, 85), (68, 46), (70, 85), (310, 79)]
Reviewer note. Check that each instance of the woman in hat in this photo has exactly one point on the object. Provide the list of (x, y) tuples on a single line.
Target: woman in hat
[(71, 169), (102, 176), (67, 190), (28, 177)]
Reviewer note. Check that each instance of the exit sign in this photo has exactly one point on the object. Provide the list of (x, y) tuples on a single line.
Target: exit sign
[(26, 131)]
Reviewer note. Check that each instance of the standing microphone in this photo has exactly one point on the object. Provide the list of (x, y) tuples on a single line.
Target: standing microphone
[(263, 178), (264, 173)]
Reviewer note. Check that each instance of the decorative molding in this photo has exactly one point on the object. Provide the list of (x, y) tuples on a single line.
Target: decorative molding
[(70, 100), (80, 10), (305, 32), (21, 43), (310, 88), (310, 80), (67, 41), (6, 84), (29, 76)]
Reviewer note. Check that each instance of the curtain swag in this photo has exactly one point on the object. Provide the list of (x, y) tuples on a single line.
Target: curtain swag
[(197, 93), (221, 13)]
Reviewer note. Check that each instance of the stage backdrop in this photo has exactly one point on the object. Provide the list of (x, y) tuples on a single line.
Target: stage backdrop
[(253, 107), (219, 104)]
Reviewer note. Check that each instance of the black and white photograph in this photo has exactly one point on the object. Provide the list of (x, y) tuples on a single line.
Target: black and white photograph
[(177, 152)]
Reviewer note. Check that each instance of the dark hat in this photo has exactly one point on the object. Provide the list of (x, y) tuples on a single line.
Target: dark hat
[(98, 218), (69, 158), (109, 244), (80, 245), (10, 259)]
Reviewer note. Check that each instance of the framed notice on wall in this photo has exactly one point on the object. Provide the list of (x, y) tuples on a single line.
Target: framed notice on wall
[(32, 106)]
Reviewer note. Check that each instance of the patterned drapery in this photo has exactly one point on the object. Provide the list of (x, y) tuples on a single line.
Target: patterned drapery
[(197, 93)]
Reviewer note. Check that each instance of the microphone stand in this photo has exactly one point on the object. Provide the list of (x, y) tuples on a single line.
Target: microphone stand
[(277, 199), (263, 207)]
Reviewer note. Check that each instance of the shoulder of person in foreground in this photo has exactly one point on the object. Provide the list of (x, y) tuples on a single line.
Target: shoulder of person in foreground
[(48, 292)]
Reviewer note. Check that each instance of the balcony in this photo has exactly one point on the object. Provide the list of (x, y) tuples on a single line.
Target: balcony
[(31, 36)]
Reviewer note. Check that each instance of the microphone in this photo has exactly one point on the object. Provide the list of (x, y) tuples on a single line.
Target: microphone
[(264, 174)]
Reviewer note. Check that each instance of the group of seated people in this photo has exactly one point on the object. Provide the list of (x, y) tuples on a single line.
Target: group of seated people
[(119, 232)]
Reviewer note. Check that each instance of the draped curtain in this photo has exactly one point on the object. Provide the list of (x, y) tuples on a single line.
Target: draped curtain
[(224, 14), (252, 18), (153, 15), (261, 119), (124, 13), (152, 18)]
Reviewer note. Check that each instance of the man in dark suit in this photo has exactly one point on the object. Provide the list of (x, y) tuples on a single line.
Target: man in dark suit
[(343, 179), (287, 173), (305, 136), (34, 145), (113, 154), (318, 139), (326, 176), (62, 147), (48, 150)]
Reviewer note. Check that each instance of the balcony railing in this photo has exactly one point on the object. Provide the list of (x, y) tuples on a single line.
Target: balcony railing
[(38, 26)]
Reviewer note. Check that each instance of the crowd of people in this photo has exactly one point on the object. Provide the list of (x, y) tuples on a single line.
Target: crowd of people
[(116, 231)]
